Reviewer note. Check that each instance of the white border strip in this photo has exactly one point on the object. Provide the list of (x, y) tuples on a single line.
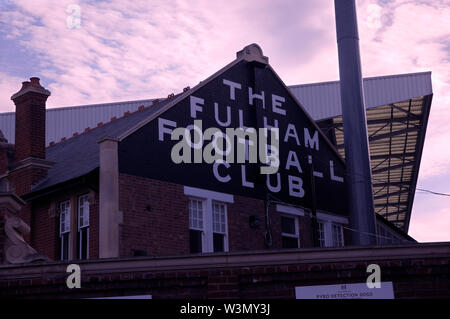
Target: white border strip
[(203, 193), (332, 218), (290, 210)]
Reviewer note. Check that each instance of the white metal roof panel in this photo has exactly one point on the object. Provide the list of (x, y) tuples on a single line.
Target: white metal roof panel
[(323, 100), (64, 121)]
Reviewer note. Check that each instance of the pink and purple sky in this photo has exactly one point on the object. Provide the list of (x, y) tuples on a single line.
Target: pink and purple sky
[(129, 50)]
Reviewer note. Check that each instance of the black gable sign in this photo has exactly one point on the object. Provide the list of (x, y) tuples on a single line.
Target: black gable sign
[(247, 95)]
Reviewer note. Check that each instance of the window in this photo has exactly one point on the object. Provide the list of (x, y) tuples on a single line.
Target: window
[(338, 236), (64, 229), (386, 236), (321, 233), (330, 230), (219, 226), (208, 229), (83, 227), (289, 232), (196, 226)]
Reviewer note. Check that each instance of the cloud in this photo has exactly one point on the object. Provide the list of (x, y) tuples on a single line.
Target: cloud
[(142, 50), (403, 37), (407, 42), (431, 224), (123, 51), (8, 86)]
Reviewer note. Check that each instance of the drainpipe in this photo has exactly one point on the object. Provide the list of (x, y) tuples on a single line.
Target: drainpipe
[(357, 157)]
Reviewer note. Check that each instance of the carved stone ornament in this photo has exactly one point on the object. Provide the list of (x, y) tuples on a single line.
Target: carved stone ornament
[(252, 52), (17, 251)]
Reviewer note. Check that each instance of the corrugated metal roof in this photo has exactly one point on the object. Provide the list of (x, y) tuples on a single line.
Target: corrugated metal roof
[(64, 121), (323, 100)]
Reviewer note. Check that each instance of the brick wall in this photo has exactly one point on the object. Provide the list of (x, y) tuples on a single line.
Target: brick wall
[(44, 229), (155, 217), (416, 270), (156, 220), (45, 222)]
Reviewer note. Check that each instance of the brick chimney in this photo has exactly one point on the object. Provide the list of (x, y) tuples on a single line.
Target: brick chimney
[(29, 165), (30, 120)]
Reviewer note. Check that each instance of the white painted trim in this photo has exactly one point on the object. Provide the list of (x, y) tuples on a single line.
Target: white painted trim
[(207, 194), (297, 228), (331, 218), (290, 210)]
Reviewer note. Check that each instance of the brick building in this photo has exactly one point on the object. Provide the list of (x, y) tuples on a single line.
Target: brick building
[(114, 190)]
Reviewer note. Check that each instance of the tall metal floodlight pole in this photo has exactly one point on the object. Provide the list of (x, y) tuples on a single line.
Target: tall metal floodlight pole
[(359, 174)]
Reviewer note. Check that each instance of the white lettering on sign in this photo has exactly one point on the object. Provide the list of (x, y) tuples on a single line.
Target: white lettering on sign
[(236, 115), (217, 117), (196, 105), (252, 96), (293, 161), (291, 132), (274, 189), (233, 86), (333, 176), (162, 127), (345, 291), (312, 142), (296, 186), (222, 179), (276, 103)]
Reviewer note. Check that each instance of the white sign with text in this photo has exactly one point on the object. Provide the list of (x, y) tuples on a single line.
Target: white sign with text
[(345, 291)]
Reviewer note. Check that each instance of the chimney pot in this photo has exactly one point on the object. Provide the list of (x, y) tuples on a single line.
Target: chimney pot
[(25, 84), (34, 81)]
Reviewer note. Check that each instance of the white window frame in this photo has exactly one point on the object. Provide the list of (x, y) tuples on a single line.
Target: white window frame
[(202, 230), (296, 226), (291, 212), (208, 197), (210, 240), (66, 213), (340, 242), (328, 221), (80, 227), (319, 237)]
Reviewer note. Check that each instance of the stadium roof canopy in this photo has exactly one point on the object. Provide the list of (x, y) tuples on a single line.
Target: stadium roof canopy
[(398, 107), (397, 113)]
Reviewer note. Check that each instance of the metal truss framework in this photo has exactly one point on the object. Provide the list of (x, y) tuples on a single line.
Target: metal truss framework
[(396, 136)]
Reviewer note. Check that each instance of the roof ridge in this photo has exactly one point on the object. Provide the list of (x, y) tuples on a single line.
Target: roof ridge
[(112, 119)]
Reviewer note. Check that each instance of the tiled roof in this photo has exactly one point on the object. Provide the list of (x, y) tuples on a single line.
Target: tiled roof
[(79, 155)]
